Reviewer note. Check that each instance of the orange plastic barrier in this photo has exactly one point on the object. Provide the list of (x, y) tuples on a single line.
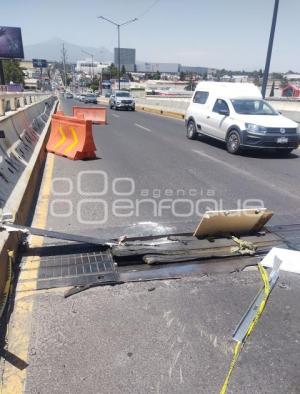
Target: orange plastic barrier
[(79, 115), (97, 115), (71, 137)]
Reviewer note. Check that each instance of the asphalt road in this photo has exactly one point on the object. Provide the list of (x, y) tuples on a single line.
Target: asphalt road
[(147, 157), (167, 336)]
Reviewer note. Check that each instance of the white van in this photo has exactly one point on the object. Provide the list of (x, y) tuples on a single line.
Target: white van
[(237, 114)]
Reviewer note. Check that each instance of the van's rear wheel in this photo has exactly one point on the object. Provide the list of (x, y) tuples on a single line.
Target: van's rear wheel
[(233, 142), (191, 130)]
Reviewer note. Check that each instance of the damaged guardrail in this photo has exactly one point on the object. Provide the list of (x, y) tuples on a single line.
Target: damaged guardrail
[(22, 142), (252, 315)]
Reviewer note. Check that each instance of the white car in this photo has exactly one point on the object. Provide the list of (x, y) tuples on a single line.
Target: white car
[(236, 114), (122, 99)]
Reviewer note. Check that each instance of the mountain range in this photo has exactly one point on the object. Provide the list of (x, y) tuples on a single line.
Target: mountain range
[(52, 51)]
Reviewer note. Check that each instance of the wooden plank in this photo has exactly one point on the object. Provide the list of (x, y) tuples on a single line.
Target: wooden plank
[(236, 222)]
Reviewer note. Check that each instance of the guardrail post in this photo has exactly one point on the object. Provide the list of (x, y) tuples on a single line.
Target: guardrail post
[(22, 101), (13, 104), (2, 107)]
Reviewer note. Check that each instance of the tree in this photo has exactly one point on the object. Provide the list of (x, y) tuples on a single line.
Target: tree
[(13, 72), (182, 76), (69, 79), (277, 76), (157, 75), (123, 70), (113, 70), (191, 85), (95, 85)]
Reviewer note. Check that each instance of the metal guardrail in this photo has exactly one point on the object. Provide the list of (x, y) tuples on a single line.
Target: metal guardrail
[(11, 101)]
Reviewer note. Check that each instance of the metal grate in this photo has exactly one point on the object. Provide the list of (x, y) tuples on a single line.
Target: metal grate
[(75, 269)]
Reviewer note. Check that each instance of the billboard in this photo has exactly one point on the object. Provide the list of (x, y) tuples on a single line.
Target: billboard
[(11, 45), (39, 63)]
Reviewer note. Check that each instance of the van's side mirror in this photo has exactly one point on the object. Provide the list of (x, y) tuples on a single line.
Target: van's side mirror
[(224, 112)]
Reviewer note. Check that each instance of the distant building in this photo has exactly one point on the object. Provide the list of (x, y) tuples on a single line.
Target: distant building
[(35, 78), (158, 67), (193, 69), (292, 77), (127, 58), (90, 68), (234, 78)]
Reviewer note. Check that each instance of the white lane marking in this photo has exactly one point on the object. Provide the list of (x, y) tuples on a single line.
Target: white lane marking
[(224, 164), (247, 174), (115, 115), (142, 127)]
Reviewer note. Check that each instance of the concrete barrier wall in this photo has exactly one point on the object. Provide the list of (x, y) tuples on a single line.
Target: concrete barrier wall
[(11, 101), (22, 152), (177, 106), (289, 108)]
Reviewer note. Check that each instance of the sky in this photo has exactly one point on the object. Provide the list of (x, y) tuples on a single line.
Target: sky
[(230, 34)]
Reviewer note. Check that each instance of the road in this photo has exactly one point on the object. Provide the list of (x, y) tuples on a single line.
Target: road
[(148, 157), (171, 336)]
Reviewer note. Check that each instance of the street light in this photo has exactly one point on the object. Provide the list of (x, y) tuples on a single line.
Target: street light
[(92, 56), (270, 47), (118, 25)]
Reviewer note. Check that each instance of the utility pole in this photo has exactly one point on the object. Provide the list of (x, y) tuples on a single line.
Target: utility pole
[(64, 55), (118, 25), (270, 47), (119, 58), (92, 57)]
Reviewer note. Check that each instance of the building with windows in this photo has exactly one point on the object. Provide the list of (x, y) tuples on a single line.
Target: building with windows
[(35, 77), (90, 68), (158, 67), (193, 69), (127, 58)]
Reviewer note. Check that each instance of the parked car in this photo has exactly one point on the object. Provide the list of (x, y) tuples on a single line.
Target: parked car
[(236, 114), (122, 99), (82, 96), (90, 98)]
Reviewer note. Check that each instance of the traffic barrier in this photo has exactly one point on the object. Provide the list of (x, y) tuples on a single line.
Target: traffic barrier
[(18, 139), (19, 173), (71, 137), (27, 138), (97, 115), (38, 115), (11, 164)]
